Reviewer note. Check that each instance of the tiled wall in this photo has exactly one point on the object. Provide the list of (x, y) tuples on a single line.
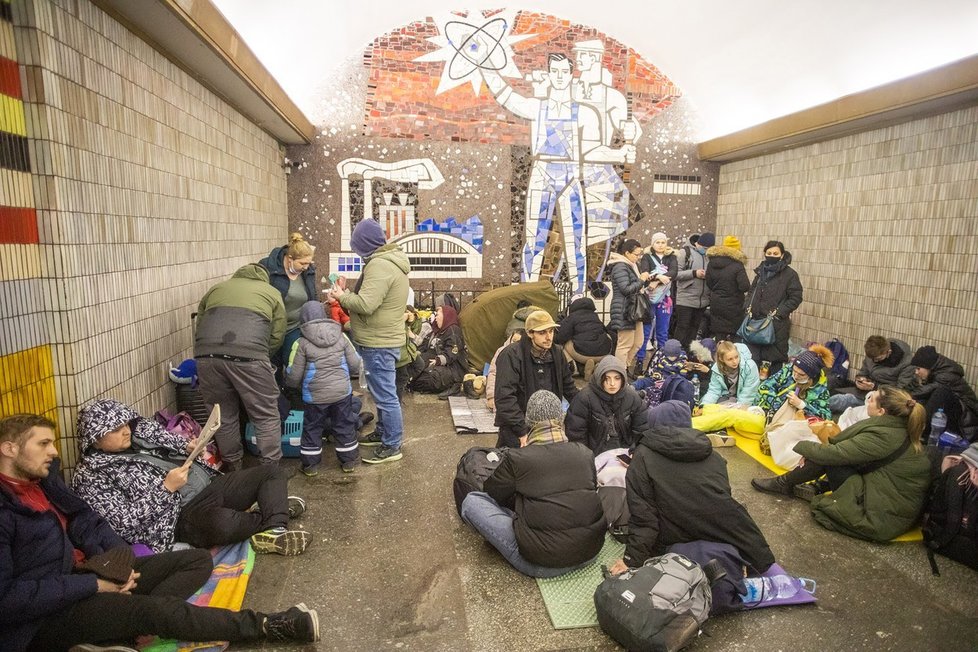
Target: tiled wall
[(883, 227), (148, 189)]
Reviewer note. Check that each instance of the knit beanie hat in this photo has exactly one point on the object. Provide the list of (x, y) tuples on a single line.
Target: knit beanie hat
[(367, 237), (659, 235), (810, 363), (711, 345), (732, 241), (671, 413), (672, 348), (925, 357), (706, 240), (543, 406), (311, 311)]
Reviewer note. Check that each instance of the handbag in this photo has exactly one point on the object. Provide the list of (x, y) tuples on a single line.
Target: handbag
[(757, 331), (636, 307)]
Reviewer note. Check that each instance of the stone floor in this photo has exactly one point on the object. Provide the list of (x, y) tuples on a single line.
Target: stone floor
[(394, 568)]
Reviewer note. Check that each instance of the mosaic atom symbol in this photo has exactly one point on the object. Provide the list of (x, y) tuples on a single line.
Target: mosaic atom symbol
[(480, 47)]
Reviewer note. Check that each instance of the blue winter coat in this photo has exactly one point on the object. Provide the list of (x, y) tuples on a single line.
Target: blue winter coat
[(748, 381), (36, 558)]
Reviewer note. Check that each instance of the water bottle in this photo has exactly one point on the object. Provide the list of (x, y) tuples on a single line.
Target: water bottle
[(938, 424), (696, 388)]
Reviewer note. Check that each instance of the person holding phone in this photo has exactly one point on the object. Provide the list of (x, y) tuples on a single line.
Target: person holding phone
[(134, 473), (887, 362)]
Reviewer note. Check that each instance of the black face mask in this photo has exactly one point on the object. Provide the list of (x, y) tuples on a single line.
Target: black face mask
[(772, 260)]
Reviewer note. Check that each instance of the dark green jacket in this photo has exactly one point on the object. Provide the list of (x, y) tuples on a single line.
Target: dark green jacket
[(243, 317), (376, 307), (878, 505)]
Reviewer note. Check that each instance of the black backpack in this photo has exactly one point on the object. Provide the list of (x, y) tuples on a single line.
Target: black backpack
[(474, 467), (951, 518), (658, 607)]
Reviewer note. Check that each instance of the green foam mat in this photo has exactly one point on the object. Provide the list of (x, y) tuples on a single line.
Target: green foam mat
[(570, 598)]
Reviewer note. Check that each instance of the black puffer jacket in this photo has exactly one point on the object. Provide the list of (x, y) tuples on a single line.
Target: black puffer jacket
[(678, 491), (602, 421), (781, 291), (947, 373), (519, 374), (583, 327), (553, 490), (625, 283), (727, 280), (447, 349)]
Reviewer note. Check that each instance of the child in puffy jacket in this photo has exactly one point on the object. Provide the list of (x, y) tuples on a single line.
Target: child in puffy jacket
[(320, 364), (668, 361)]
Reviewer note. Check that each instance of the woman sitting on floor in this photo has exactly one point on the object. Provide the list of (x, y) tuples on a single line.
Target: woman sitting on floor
[(443, 354), (876, 469), (608, 413)]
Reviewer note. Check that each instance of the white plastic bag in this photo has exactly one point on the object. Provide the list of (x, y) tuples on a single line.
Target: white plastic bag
[(783, 439)]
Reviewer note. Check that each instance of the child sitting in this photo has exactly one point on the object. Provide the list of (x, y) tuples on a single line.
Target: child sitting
[(320, 364), (668, 361)]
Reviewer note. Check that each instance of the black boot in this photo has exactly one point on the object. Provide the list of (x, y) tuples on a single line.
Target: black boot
[(454, 390), (776, 485)]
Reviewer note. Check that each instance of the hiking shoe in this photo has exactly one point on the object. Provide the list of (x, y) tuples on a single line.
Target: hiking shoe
[(808, 490), (296, 505), (310, 471), (373, 439), (298, 623), (384, 454), (721, 439), (351, 466), (366, 418), (281, 541), (776, 485)]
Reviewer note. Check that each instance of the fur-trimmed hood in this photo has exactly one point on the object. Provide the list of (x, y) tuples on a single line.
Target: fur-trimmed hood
[(719, 251)]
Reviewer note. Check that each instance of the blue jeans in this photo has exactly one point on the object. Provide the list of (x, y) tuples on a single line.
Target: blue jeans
[(378, 364), (495, 524), (839, 402)]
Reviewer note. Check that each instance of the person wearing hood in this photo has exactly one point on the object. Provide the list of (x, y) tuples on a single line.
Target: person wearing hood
[(608, 413), (443, 356), (726, 279), (803, 385), (660, 262), (692, 296), (518, 322), (776, 290), (291, 272), (131, 471), (240, 325), (376, 308), (540, 507), (699, 361), (582, 335), (678, 491), (939, 382), (321, 364), (626, 282)]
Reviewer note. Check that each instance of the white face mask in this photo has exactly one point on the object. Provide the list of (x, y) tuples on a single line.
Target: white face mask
[(292, 270)]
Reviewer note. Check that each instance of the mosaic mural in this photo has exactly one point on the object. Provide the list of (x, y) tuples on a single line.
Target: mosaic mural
[(500, 146)]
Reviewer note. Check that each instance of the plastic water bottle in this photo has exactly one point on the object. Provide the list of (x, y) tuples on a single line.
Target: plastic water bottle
[(938, 424), (696, 388)]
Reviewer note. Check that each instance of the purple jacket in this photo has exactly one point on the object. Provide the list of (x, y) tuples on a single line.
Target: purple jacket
[(36, 558)]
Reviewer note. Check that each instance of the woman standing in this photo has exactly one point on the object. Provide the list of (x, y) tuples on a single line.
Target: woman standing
[(727, 281), (876, 469), (776, 291), (626, 282), (660, 263), (291, 272)]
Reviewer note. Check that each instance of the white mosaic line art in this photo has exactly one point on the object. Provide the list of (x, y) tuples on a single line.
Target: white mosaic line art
[(471, 44)]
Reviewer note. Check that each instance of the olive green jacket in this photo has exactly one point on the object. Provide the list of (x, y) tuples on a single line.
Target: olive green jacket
[(376, 308)]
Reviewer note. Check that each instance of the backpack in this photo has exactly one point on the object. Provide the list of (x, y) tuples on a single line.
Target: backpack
[(951, 517), (728, 591), (475, 466), (677, 388), (658, 607), (838, 375)]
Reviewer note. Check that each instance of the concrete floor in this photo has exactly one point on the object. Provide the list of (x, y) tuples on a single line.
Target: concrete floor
[(394, 568)]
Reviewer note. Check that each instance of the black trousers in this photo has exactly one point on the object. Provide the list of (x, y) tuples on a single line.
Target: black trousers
[(944, 398), (216, 516), (836, 475), (508, 437), (157, 606), (685, 323)]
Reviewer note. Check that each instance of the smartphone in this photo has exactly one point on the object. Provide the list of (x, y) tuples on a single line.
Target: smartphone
[(625, 458)]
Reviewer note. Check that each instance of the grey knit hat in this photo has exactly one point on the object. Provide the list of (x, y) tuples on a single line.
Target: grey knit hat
[(543, 406)]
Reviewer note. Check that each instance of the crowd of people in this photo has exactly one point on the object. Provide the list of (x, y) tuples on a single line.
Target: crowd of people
[(630, 448)]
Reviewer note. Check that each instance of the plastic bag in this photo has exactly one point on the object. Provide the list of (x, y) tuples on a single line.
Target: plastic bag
[(783, 439)]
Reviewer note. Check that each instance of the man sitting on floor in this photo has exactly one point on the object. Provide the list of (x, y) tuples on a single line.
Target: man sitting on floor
[(47, 533), (887, 362), (131, 472)]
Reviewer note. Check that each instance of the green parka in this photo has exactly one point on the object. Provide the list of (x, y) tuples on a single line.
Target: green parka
[(878, 505), (376, 307)]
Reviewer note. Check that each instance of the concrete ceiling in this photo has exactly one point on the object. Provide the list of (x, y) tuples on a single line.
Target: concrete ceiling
[(740, 63)]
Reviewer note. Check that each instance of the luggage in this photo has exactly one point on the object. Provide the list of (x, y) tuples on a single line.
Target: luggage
[(658, 607), (474, 467)]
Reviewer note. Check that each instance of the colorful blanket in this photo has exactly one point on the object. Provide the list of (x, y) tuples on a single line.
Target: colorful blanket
[(225, 588)]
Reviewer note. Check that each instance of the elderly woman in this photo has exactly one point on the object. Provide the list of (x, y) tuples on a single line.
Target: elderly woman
[(776, 291), (291, 272), (877, 471)]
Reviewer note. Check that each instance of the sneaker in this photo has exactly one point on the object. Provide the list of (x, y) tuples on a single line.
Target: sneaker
[(373, 439), (310, 471), (384, 454), (281, 541), (351, 466), (776, 485), (366, 418), (299, 623), (721, 439), (297, 505)]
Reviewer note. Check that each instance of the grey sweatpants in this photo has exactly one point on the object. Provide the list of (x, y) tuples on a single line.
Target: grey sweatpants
[(224, 382)]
